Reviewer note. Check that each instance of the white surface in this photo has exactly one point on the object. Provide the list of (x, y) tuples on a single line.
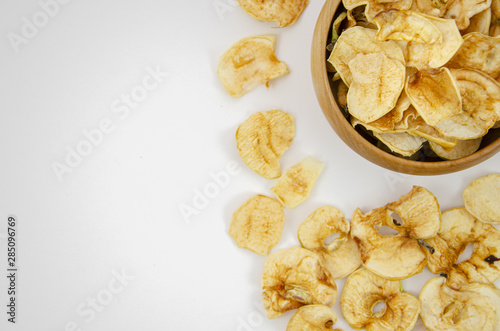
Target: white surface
[(118, 210)]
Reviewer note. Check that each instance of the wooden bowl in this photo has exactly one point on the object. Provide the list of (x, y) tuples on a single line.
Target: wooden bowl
[(326, 91)]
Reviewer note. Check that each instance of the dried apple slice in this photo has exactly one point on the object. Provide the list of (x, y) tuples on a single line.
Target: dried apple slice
[(296, 184), (495, 18), (462, 10), (374, 7), (283, 12), (473, 307), (293, 278), (257, 224), (341, 256), (480, 22), (401, 143), (250, 62), (482, 198), (263, 138), (312, 318), (462, 149), (363, 290)]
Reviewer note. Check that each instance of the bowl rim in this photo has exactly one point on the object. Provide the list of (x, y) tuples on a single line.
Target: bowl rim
[(360, 145)]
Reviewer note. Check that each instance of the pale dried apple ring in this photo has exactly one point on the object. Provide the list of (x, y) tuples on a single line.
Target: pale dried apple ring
[(398, 256), (312, 318), (480, 95), (263, 138), (363, 290), (341, 256), (283, 12), (480, 52), (462, 149), (462, 10), (296, 184), (250, 62), (407, 25), (473, 307), (293, 278), (482, 198), (401, 143), (434, 94), (480, 22), (257, 224), (377, 83), (356, 40), (424, 56), (458, 230)]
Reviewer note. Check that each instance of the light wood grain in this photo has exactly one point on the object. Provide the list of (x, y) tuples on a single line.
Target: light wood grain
[(325, 96)]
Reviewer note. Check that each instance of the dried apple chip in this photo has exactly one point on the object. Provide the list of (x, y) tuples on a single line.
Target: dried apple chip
[(250, 62), (480, 52), (458, 230), (283, 12), (462, 149), (407, 25), (474, 307), (482, 198), (312, 318), (356, 40), (418, 127), (401, 143), (495, 18), (462, 10), (377, 83), (257, 224), (293, 278), (480, 95), (374, 7), (434, 94), (363, 290), (295, 185), (263, 138), (341, 256), (480, 22)]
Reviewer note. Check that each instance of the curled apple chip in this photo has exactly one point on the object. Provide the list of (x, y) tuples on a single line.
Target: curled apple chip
[(356, 40), (407, 25), (312, 318), (377, 83), (482, 198), (374, 7), (257, 224), (462, 10), (250, 62), (480, 95), (480, 52), (434, 94), (341, 256), (283, 12), (462, 149), (397, 256), (401, 143), (480, 22), (263, 138), (363, 290), (418, 127), (295, 185), (425, 56), (473, 307), (458, 230), (293, 278)]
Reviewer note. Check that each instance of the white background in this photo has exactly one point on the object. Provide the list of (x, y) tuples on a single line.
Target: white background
[(117, 211)]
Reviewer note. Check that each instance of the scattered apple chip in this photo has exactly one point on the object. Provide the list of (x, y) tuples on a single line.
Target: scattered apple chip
[(398, 256), (482, 198), (250, 62), (283, 12), (363, 290), (312, 318), (401, 143), (462, 10), (293, 278), (458, 230), (295, 185), (257, 224), (263, 138), (424, 56), (407, 25), (480, 52), (377, 83), (480, 96), (462, 149), (356, 40), (434, 94), (473, 307), (341, 256)]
